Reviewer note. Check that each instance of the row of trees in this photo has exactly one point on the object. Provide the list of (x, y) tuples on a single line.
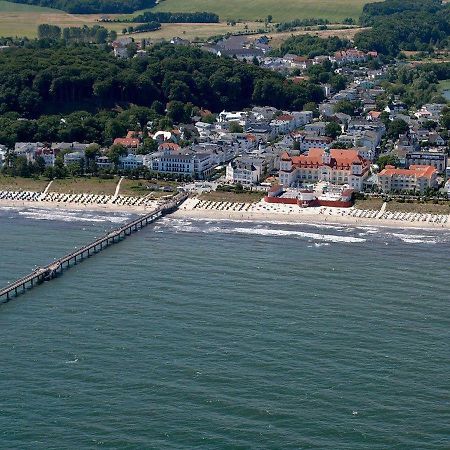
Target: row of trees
[(141, 28), (169, 17), (93, 6), (33, 82), (96, 34), (293, 24)]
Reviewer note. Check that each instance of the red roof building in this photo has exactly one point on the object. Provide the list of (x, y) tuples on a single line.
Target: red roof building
[(336, 166), (416, 178)]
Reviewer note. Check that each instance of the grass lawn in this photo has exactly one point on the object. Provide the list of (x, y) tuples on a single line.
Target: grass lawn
[(85, 186), (370, 203), (134, 188), (244, 197), (423, 208), (22, 184), (283, 10)]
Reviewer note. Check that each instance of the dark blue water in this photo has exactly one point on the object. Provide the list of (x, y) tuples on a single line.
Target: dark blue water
[(197, 334)]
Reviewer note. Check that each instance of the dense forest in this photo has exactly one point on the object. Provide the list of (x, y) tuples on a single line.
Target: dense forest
[(92, 6), (169, 17), (404, 25), (310, 46), (57, 80)]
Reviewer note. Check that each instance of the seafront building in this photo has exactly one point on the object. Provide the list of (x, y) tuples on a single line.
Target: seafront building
[(416, 178), (181, 162), (334, 166)]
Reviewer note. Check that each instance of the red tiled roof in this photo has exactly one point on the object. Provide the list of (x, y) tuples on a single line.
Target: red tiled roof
[(127, 142), (339, 159), (169, 146), (413, 171), (286, 117)]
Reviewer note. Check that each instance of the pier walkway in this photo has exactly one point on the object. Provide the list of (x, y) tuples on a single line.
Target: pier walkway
[(57, 267)]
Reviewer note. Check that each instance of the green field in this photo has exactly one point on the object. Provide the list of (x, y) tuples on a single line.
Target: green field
[(282, 10), (23, 20), (10, 7)]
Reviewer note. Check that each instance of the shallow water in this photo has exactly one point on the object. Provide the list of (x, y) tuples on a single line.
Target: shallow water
[(223, 334)]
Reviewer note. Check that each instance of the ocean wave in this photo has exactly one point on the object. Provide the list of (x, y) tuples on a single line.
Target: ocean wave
[(299, 234), (187, 227), (67, 216), (416, 238)]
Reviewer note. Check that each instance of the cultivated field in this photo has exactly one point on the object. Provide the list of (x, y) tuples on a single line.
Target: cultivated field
[(195, 31), (25, 23), (85, 186), (345, 33), (23, 20), (282, 10)]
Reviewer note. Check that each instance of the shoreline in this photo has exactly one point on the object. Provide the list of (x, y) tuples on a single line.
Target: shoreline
[(108, 207), (303, 219), (255, 213)]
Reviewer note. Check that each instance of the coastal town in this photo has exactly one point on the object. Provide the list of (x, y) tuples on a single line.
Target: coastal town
[(359, 142), (214, 220)]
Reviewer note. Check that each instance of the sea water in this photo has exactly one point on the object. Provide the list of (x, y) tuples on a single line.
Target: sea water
[(220, 334)]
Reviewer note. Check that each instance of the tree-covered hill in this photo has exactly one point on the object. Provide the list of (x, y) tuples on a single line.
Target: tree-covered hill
[(405, 25), (54, 79), (92, 6)]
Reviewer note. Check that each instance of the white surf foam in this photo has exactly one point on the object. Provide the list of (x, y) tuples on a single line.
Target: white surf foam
[(67, 216)]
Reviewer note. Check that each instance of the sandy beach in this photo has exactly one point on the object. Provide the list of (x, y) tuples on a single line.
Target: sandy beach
[(257, 212), (264, 212)]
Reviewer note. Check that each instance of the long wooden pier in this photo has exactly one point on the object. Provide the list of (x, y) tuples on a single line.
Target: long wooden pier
[(49, 272)]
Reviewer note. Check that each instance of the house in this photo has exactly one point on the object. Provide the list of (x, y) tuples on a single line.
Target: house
[(74, 158), (308, 141), (48, 155), (120, 47), (103, 162), (282, 124), (181, 162), (179, 41), (130, 162), (416, 178), (432, 157), (246, 171), (334, 166), (430, 111), (128, 142), (348, 56), (316, 127), (27, 149)]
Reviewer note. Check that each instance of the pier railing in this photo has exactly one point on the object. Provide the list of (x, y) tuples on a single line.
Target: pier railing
[(50, 271)]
